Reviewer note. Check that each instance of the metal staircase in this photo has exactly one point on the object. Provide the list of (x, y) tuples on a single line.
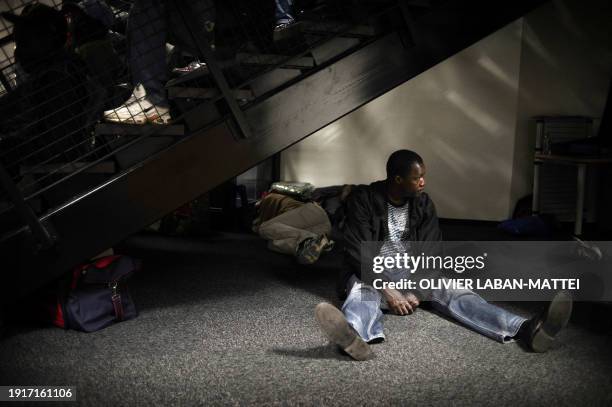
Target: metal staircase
[(231, 116)]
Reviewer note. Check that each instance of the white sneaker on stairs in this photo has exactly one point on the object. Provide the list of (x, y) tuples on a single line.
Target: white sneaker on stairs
[(139, 111)]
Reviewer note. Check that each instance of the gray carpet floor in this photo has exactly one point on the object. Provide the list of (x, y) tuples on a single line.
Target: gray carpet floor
[(225, 322)]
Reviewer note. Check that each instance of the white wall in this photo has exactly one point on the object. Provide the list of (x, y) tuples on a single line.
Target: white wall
[(469, 116), (566, 66), (460, 116)]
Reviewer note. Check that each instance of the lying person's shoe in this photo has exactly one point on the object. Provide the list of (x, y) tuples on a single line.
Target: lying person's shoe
[(329, 246), (310, 250), (337, 329), (139, 112), (539, 333)]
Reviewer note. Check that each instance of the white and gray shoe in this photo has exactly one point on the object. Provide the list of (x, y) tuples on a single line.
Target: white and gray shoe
[(138, 110)]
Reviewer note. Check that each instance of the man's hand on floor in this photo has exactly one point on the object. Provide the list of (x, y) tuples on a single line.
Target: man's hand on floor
[(400, 304), (413, 300)]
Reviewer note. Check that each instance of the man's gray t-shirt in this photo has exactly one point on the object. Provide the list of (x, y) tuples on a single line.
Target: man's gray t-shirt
[(398, 225)]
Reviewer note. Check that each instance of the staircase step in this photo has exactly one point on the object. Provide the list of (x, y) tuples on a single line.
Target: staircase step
[(337, 27), (141, 150), (205, 93), (292, 31), (333, 48), (419, 3), (104, 167), (198, 73), (273, 79), (117, 129), (273, 59)]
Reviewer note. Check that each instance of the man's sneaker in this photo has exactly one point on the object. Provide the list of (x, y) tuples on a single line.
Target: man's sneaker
[(587, 250), (540, 332), (191, 67), (140, 112), (138, 93), (310, 250), (283, 24), (337, 329)]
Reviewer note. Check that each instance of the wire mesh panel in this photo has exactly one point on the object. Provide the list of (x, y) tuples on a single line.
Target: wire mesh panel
[(90, 88)]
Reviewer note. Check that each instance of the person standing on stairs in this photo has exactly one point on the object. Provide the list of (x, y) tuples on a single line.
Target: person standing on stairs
[(148, 27), (153, 23)]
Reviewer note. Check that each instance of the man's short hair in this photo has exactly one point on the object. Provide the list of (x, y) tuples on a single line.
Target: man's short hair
[(400, 163)]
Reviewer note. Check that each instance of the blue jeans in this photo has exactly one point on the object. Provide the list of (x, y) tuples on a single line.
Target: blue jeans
[(363, 304), (151, 24), (283, 11), (147, 31)]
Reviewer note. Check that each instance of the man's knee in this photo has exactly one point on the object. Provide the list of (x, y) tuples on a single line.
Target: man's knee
[(447, 297), (266, 227), (364, 293)]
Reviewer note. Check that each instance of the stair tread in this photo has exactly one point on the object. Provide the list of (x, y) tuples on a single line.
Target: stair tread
[(275, 59), (333, 48), (338, 27), (290, 32), (138, 129), (104, 167), (419, 3), (205, 93), (198, 73)]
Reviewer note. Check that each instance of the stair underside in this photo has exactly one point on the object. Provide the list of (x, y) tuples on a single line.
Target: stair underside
[(183, 171)]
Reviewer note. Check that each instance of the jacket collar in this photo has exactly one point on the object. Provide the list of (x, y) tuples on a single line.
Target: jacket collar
[(379, 204)]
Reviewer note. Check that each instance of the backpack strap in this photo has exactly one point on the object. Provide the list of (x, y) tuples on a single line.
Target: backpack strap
[(117, 304)]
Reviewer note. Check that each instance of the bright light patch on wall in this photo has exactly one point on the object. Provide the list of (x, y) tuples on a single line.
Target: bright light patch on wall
[(536, 45), (494, 69), (453, 158), (474, 112)]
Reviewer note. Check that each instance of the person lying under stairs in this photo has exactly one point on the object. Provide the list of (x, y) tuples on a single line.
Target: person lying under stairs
[(300, 229)]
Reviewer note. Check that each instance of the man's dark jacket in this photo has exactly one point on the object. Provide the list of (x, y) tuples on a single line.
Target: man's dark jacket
[(366, 221)]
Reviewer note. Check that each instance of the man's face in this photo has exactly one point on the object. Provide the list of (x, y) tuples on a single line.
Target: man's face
[(414, 182)]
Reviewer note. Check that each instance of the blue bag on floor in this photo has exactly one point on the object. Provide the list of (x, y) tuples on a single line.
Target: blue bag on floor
[(527, 226), (98, 295)]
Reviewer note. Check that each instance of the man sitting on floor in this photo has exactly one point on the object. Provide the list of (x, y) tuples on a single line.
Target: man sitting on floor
[(397, 210)]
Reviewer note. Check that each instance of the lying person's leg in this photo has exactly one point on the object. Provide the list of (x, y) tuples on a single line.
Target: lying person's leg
[(301, 232), (282, 238), (502, 325)]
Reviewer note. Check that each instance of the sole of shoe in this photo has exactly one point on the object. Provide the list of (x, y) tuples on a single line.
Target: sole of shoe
[(336, 328), (556, 318), (157, 119), (308, 255)]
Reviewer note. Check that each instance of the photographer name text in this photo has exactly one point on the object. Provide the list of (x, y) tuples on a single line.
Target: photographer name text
[(480, 284)]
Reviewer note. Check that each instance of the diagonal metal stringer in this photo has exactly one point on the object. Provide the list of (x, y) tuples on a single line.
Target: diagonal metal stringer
[(204, 48)]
